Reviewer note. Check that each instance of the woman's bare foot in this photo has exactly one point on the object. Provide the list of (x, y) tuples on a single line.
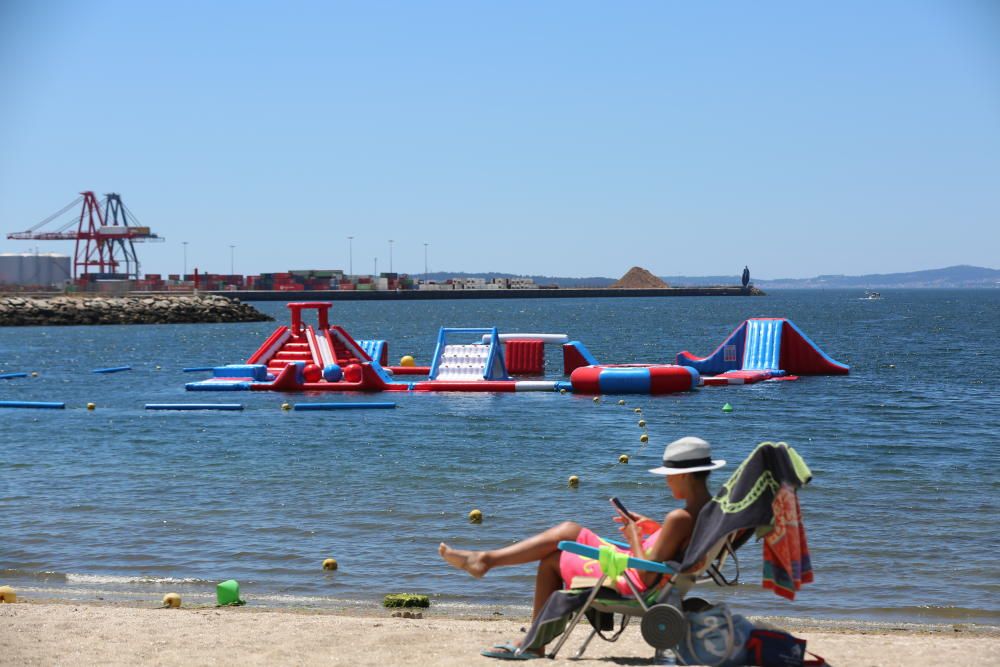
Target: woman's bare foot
[(470, 561)]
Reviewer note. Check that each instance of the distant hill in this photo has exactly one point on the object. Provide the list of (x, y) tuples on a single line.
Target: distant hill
[(951, 277)]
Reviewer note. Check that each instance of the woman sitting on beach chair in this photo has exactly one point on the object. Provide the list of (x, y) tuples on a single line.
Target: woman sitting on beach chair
[(687, 463)]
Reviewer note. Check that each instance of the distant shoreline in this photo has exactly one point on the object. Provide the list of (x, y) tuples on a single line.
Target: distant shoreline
[(430, 295)]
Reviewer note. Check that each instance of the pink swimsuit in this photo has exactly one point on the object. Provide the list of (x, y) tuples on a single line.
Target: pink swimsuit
[(572, 565)]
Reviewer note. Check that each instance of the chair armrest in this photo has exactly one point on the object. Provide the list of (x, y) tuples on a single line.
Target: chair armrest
[(634, 563)]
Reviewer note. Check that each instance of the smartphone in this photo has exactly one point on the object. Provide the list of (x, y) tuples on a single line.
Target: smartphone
[(621, 507)]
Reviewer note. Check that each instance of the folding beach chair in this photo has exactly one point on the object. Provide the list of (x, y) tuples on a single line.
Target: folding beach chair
[(741, 509)]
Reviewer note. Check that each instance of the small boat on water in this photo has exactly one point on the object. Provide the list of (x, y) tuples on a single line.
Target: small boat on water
[(871, 296)]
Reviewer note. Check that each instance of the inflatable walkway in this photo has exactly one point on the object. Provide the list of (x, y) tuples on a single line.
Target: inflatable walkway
[(763, 348)]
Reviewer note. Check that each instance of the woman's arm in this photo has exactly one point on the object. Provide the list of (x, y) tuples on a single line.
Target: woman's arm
[(676, 531), (646, 525)]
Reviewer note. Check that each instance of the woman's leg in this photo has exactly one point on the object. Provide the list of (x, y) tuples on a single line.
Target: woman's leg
[(535, 548), (548, 580)]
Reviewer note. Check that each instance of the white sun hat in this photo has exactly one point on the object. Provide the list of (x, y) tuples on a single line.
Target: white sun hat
[(688, 454)]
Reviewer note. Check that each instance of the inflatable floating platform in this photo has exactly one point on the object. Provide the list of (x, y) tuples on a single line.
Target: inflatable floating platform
[(763, 348)]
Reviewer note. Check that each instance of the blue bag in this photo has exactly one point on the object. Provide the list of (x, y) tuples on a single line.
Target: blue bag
[(716, 637), (775, 648)]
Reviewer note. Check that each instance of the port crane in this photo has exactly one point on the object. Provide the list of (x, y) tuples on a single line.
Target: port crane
[(105, 234)]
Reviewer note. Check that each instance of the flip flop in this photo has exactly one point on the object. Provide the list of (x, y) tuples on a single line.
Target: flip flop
[(510, 646), (508, 652)]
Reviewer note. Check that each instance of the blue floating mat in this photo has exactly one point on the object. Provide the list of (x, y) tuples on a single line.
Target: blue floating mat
[(194, 369), (218, 385), (344, 406), (113, 369), (43, 405), (11, 376), (194, 406), (252, 371)]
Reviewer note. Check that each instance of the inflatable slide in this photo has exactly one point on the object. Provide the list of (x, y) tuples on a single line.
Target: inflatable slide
[(763, 348)]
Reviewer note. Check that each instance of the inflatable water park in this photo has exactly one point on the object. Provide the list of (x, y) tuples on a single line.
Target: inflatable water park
[(324, 357)]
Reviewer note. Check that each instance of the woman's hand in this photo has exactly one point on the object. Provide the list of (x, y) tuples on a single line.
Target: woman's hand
[(646, 525), (631, 532)]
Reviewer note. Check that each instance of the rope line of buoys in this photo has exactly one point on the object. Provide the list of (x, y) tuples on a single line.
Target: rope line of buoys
[(624, 458)]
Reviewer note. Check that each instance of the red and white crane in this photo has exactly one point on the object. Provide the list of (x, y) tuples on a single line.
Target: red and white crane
[(105, 236)]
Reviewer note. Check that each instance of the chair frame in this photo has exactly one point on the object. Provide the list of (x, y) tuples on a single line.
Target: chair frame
[(677, 583)]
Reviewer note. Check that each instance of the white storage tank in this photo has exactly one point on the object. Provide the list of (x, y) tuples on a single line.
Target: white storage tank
[(41, 269)]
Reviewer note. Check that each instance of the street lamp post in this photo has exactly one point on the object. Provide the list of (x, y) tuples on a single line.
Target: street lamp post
[(425, 261), (390, 255), (350, 255), (185, 244), (232, 260), (375, 274)]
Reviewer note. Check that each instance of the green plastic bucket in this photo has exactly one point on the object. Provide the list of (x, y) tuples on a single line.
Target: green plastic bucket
[(228, 593)]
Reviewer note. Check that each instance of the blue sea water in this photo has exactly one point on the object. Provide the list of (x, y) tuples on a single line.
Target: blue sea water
[(121, 503)]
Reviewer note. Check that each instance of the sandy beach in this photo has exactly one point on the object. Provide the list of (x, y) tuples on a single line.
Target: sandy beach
[(56, 633)]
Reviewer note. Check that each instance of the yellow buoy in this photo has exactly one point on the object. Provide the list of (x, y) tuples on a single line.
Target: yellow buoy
[(286, 406), (642, 423), (643, 438), (7, 594), (638, 411), (476, 516), (91, 406), (407, 360), (621, 401), (34, 374), (623, 458), (172, 600), (574, 481), (597, 399), (330, 564), (562, 391)]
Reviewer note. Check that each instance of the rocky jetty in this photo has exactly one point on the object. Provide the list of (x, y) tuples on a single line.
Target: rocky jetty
[(160, 309)]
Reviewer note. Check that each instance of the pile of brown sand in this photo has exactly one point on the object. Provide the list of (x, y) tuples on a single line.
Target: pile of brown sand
[(638, 278)]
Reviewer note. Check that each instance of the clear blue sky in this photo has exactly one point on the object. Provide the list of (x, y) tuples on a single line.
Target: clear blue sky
[(559, 138)]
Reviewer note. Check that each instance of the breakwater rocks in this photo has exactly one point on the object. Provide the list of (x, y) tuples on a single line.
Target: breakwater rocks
[(80, 309)]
